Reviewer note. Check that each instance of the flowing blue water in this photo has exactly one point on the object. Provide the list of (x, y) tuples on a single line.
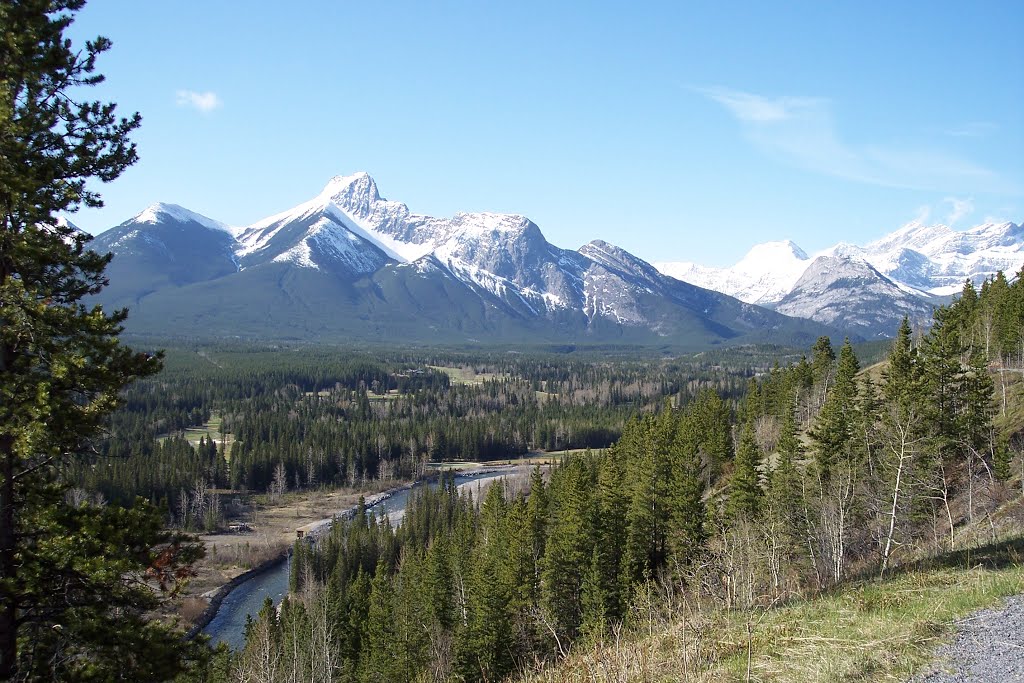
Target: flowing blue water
[(228, 625)]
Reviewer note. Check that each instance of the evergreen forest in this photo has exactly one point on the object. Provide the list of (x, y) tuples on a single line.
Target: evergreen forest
[(305, 419), (737, 495)]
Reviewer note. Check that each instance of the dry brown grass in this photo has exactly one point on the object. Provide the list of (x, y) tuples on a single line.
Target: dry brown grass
[(872, 631), (273, 532), (191, 609)]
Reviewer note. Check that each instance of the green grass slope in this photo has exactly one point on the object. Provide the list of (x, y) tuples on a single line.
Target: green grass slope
[(865, 631)]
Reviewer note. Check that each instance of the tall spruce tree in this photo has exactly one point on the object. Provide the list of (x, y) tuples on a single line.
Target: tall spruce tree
[(744, 489), (67, 572), (833, 429)]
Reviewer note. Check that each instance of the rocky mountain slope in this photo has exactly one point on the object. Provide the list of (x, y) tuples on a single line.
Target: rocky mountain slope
[(867, 288), (852, 295), (349, 264)]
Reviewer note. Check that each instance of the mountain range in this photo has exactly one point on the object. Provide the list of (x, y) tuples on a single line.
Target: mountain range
[(351, 265), (866, 289)]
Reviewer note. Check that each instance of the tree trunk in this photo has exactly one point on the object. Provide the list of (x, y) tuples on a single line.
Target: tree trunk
[(887, 552)]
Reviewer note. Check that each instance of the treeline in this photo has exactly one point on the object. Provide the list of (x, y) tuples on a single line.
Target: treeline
[(822, 472), (299, 419)]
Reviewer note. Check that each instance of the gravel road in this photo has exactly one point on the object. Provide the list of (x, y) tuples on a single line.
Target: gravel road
[(989, 646)]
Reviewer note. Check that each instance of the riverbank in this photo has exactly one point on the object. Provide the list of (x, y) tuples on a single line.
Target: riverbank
[(228, 607), (216, 598), (269, 539), (265, 533)]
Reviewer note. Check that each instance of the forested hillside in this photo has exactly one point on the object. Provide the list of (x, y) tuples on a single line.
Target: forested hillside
[(306, 418), (821, 473)]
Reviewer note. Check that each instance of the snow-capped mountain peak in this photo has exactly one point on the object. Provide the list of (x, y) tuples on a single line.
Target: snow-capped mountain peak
[(762, 256), (914, 235), (161, 212), (763, 276), (347, 259), (480, 224), (356, 192)]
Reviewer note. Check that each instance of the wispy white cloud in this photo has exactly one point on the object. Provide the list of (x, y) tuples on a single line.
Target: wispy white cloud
[(1004, 214), (802, 131), (203, 101), (974, 129), (757, 109), (922, 214), (958, 208)]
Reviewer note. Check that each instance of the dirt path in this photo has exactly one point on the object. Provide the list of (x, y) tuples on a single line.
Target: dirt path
[(989, 646)]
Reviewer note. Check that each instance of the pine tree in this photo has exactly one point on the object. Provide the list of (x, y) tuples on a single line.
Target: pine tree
[(822, 361), (686, 533), (784, 481), (569, 543), (66, 572), (901, 429), (380, 662), (643, 527), (593, 599), (611, 528), (744, 489), (784, 494), (833, 430)]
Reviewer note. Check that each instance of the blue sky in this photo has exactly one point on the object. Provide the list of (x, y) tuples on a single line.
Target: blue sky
[(679, 131)]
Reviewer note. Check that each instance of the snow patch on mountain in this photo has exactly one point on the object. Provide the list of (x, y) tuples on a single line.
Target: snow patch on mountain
[(938, 259), (850, 293), (919, 260), (162, 213), (763, 276), (342, 245), (300, 255), (488, 224)]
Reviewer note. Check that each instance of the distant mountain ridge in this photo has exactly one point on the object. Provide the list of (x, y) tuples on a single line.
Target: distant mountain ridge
[(866, 288), (350, 264)]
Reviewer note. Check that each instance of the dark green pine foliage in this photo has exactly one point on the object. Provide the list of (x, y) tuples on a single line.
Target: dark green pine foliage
[(536, 523), (784, 493), (975, 407), (701, 430), (941, 372), (612, 503), (833, 430), (1001, 460), (745, 491), (647, 512), (523, 577), (410, 641), (381, 657), (710, 431), (568, 550), (484, 648), (70, 603), (823, 358), (865, 428), (594, 599), (902, 375)]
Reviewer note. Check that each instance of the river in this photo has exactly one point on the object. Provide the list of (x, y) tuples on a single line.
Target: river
[(228, 625)]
